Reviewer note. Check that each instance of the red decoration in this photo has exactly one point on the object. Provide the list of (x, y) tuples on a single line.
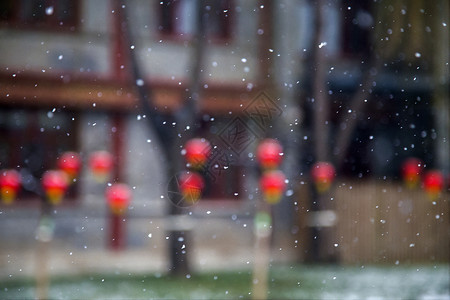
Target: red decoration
[(433, 183), (70, 163), (55, 184), (191, 186), (101, 163), (323, 174), (269, 154), (196, 152), (10, 181), (273, 184), (118, 197), (411, 170)]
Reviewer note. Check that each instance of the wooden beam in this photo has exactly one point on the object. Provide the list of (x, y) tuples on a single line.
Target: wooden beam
[(39, 92)]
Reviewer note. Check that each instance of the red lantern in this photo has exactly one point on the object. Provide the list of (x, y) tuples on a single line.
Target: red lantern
[(196, 152), (433, 182), (273, 184), (55, 184), (191, 186), (10, 181), (411, 170), (118, 197), (269, 154), (323, 174), (70, 163), (101, 163)]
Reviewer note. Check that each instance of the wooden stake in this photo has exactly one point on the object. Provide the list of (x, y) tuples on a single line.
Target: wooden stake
[(117, 234), (263, 232), (44, 237)]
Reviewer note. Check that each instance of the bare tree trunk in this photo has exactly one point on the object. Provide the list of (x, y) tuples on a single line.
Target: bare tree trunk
[(145, 97), (441, 92), (357, 107), (185, 117), (192, 96), (265, 78), (321, 105), (320, 237), (287, 127)]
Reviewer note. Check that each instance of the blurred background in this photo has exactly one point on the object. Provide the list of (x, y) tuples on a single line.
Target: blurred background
[(362, 85)]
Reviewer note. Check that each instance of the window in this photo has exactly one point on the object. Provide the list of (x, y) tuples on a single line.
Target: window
[(223, 177), (358, 22), (31, 141), (218, 18), (224, 172), (45, 14), (177, 17)]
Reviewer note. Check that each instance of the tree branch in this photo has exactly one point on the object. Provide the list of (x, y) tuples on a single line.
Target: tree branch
[(321, 111), (348, 124)]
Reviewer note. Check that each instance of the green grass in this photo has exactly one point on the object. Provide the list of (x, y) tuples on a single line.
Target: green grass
[(286, 282)]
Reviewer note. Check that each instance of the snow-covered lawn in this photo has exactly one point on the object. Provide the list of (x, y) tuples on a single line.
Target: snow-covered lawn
[(286, 282)]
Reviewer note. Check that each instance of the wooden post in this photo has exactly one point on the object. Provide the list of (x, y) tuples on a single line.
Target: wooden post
[(117, 225), (263, 233), (117, 234), (120, 60), (42, 277), (44, 237)]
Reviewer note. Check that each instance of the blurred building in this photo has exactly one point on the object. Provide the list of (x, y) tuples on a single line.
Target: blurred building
[(66, 84), (66, 79)]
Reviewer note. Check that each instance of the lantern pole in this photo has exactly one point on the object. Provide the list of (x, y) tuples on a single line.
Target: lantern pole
[(45, 232), (117, 237), (322, 248), (316, 233), (272, 186), (44, 237), (118, 196), (190, 185), (263, 233), (51, 191)]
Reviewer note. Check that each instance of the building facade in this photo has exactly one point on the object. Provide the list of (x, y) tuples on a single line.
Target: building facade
[(66, 83)]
